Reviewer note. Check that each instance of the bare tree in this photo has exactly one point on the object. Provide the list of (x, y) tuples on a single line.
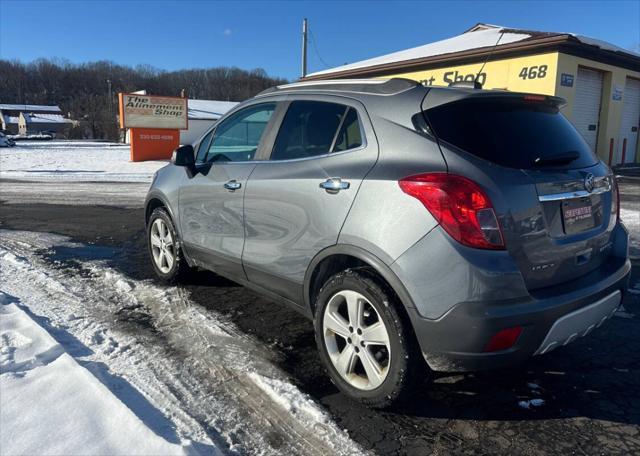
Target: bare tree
[(82, 90)]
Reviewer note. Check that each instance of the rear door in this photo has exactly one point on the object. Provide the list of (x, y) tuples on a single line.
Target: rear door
[(297, 200), (552, 196), (212, 198)]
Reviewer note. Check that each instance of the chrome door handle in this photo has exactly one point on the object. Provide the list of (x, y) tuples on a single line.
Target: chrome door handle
[(334, 185), (232, 185)]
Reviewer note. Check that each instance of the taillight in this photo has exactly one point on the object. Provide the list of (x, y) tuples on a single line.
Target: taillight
[(459, 205)]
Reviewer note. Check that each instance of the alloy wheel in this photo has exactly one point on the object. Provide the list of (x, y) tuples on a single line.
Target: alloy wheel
[(162, 246), (356, 340)]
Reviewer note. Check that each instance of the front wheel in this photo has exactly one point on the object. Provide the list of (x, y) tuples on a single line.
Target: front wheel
[(164, 247), (364, 342)]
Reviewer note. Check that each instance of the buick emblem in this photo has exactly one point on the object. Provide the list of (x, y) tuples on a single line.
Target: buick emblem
[(588, 182)]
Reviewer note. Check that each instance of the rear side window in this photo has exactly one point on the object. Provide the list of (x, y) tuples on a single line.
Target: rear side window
[(512, 132), (309, 129), (349, 136)]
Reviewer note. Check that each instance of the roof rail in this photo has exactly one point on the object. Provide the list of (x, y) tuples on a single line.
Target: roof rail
[(371, 86), (466, 84)]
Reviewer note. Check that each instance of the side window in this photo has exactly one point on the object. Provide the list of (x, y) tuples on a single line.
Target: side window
[(203, 148), (237, 138), (308, 129), (349, 136)]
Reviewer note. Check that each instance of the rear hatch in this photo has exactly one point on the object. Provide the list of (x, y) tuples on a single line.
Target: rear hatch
[(554, 199)]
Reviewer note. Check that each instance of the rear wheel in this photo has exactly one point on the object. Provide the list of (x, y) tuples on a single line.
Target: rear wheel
[(164, 247), (365, 344)]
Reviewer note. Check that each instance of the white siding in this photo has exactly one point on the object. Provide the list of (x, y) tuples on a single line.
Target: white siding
[(197, 128), (586, 105), (630, 121)]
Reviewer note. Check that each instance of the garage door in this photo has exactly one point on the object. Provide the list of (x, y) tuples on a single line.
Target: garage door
[(630, 121), (586, 106)]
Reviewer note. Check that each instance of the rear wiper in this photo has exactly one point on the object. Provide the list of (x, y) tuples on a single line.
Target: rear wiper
[(560, 159)]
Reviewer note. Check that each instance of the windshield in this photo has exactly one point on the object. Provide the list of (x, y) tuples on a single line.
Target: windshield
[(512, 132)]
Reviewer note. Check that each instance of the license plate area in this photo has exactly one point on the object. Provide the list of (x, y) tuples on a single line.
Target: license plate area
[(577, 215)]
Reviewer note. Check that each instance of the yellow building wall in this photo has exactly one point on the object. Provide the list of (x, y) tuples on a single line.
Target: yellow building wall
[(534, 73), (541, 74), (610, 109)]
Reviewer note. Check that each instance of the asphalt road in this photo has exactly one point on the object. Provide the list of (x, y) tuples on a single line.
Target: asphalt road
[(591, 388)]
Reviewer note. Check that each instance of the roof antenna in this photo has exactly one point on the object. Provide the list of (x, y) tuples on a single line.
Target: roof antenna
[(476, 84)]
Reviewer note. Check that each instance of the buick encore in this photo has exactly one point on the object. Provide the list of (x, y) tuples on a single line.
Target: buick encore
[(469, 229)]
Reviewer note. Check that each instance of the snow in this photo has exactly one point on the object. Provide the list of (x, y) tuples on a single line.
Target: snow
[(464, 42), (481, 37), (189, 377), (74, 161), (631, 219), (30, 108), (46, 118), (52, 405), (603, 44)]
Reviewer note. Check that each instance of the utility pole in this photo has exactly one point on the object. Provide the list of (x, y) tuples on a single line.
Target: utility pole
[(304, 47), (110, 98)]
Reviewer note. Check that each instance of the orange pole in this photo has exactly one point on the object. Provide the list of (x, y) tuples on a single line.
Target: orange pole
[(624, 149)]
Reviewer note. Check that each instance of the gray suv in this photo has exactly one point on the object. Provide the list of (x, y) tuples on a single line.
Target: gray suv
[(468, 228)]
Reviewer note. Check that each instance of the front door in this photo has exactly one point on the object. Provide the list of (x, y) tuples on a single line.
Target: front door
[(211, 199), (297, 201)]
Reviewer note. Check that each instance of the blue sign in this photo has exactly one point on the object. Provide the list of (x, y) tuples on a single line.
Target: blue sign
[(566, 80)]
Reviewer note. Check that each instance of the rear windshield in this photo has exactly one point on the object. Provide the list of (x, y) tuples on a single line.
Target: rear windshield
[(512, 132)]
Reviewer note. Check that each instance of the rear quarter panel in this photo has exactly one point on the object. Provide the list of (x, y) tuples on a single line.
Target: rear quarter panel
[(383, 219)]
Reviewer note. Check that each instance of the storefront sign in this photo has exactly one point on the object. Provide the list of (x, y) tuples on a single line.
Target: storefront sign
[(536, 73), (150, 111)]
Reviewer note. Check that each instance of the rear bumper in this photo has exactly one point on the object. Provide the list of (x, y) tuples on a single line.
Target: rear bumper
[(455, 341)]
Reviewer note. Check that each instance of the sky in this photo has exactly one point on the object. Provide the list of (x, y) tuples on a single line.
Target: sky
[(174, 35)]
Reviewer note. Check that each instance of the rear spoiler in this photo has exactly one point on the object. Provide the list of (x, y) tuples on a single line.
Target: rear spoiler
[(440, 96)]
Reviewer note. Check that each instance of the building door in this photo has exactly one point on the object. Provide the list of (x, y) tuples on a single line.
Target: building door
[(586, 105), (628, 137)]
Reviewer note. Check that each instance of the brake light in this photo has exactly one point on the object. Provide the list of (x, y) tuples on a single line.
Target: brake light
[(504, 339), (459, 205), (534, 98)]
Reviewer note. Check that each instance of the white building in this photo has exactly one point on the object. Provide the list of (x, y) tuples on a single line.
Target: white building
[(202, 115)]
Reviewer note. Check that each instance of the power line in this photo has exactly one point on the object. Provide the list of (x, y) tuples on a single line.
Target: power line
[(315, 49)]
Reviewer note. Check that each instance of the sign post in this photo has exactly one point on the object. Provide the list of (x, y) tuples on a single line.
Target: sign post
[(154, 122)]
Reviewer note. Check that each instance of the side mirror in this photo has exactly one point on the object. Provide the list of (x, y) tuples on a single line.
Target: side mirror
[(183, 156)]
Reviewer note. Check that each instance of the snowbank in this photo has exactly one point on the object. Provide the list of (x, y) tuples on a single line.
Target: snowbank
[(52, 405), (631, 219), (74, 161)]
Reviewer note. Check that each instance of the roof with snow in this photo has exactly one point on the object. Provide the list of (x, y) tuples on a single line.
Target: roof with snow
[(477, 42), (208, 109), (10, 119), (45, 118), (30, 108)]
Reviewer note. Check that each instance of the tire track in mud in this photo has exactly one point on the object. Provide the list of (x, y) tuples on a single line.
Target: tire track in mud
[(194, 367)]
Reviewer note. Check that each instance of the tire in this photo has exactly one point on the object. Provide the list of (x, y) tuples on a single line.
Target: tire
[(396, 356), (171, 266)]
